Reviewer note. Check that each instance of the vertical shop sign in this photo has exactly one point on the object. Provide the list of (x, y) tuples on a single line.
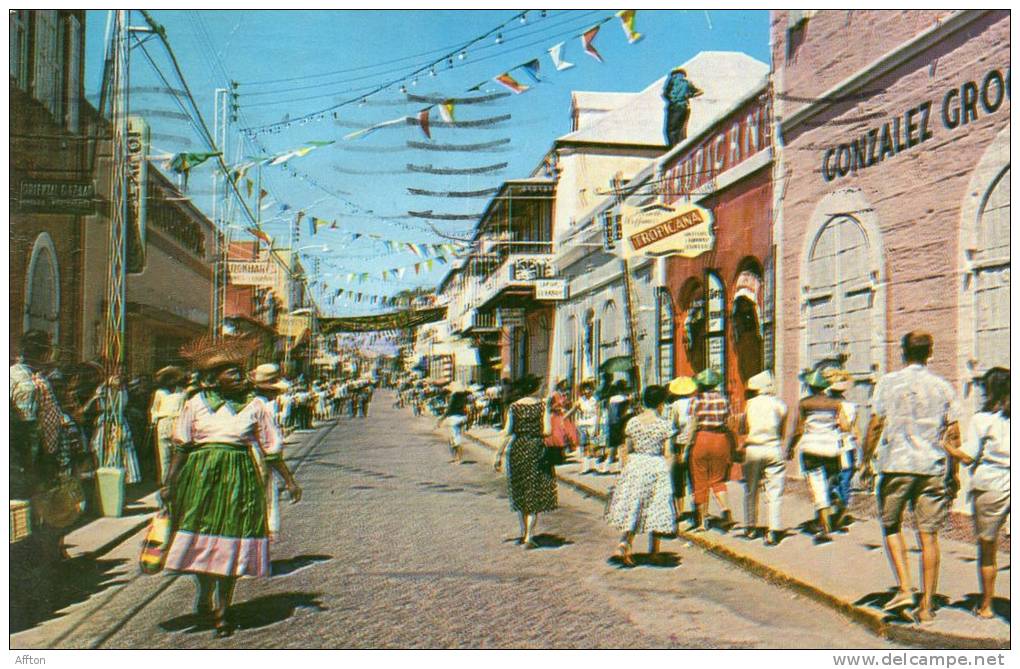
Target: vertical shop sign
[(137, 182)]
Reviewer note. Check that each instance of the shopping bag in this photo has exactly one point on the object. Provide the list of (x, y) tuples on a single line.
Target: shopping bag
[(156, 543)]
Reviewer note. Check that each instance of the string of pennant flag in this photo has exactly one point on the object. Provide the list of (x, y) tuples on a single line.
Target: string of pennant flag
[(531, 68)]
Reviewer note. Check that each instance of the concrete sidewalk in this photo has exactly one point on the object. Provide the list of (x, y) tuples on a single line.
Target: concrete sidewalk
[(851, 574)]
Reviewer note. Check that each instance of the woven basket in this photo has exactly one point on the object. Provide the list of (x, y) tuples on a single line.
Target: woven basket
[(21, 520)]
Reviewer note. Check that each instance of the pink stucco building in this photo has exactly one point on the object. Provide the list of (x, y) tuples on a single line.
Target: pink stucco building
[(892, 191)]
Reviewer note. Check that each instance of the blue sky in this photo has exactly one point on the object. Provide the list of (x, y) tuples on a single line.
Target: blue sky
[(293, 63)]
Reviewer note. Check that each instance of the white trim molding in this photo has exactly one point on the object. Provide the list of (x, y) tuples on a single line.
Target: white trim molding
[(43, 244)]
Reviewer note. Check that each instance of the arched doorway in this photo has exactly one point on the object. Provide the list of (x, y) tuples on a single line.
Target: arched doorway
[(695, 321), (42, 289), (666, 332), (747, 319), (989, 278)]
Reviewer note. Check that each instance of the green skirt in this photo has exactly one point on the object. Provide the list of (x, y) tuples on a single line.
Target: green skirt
[(220, 514)]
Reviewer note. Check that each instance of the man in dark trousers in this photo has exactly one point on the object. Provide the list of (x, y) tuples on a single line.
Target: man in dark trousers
[(677, 93)]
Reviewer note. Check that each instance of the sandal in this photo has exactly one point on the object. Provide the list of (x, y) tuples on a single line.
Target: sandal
[(623, 552), (222, 629)]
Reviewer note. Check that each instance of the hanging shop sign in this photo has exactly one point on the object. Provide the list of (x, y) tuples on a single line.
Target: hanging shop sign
[(666, 230), (44, 196), (551, 289), (959, 106), (251, 273), (137, 191)]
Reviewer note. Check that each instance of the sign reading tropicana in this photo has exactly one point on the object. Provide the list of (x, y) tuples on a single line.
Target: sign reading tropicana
[(665, 230)]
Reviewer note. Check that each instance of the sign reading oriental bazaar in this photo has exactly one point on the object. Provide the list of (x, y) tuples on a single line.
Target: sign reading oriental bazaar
[(665, 230)]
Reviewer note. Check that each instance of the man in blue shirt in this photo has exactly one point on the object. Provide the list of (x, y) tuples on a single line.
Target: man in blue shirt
[(677, 93)]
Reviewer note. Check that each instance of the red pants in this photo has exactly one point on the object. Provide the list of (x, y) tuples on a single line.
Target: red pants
[(710, 464)]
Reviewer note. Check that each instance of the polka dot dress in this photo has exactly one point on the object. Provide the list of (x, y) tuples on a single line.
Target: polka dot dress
[(643, 498)]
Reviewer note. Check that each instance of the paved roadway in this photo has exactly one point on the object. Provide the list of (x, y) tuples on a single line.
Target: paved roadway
[(393, 547)]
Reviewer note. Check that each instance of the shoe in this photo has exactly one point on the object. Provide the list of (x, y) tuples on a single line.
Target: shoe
[(623, 551), (899, 600), (748, 533), (530, 545), (771, 539), (822, 539), (222, 629)]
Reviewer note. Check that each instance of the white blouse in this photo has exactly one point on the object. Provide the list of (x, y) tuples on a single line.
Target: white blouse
[(254, 425)]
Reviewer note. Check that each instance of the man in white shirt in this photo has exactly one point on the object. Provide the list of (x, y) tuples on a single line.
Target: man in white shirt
[(764, 423), (914, 413)]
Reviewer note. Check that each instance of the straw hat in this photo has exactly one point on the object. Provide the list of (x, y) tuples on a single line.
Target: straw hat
[(762, 383), (840, 380), (205, 354), (682, 386), (268, 376), (708, 378)]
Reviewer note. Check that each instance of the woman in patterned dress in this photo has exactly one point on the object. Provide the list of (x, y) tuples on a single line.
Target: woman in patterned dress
[(530, 480), (213, 488), (643, 498)]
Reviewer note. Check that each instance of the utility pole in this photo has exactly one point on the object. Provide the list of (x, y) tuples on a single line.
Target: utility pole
[(222, 246)]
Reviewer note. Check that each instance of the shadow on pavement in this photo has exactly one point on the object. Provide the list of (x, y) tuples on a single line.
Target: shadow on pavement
[(38, 591), (291, 565), (1000, 605), (252, 614), (656, 560)]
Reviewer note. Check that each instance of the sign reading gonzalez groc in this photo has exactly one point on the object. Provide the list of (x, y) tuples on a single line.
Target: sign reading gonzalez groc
[(666, 230)]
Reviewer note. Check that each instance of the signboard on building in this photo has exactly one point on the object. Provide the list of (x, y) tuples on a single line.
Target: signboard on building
[(508, 318), (551, 289), (665, 230), (739, 137), (531, 267), (258, 272), (137, 192), (45, 196)]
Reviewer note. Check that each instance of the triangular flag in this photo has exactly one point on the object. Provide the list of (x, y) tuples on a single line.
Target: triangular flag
[(417, 267), (428, 264), (400, 272), (506, 80), (262, 194), (423, 121), (332, 226), (588, 39), (446, 111), (627, 17), (531, 69), (358, 134), (249, 186), (261, 235), (556, 53)]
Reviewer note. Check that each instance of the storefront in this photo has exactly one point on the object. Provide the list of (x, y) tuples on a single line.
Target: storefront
[(715, 308), (895, 214)]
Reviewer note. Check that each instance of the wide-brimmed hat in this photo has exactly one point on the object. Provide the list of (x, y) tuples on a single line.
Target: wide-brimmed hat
[(171, 375), (207, 354), (815, 379), (839, 379), (708, 378), (683, 385), (268, 376), (762, 383)]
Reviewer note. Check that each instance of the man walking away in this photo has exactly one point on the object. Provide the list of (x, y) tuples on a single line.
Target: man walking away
[(915, 413)]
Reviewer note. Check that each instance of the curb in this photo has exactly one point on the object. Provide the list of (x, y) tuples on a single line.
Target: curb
[(872, 620)]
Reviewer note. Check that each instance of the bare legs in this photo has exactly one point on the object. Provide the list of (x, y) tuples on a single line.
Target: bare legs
[(930, 572), (528, 521), (223, 589), (987, 569), (896, 549)]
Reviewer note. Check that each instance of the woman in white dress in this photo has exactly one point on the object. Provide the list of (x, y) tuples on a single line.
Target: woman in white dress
[(643, 498), (588, 418)]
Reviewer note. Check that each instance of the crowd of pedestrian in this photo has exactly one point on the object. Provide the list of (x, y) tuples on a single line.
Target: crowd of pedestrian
[(680, 441)]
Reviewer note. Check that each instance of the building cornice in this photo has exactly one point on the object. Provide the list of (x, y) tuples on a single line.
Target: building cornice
[(884, 64)]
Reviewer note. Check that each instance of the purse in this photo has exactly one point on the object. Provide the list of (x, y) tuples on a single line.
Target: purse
[(156, 543), (552, 456)]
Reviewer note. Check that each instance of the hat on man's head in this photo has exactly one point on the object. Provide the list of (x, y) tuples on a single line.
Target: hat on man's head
[(267, 376), (708, 378), (682, 386), (207, 354), (170, 375), (815, 379), (762, 383), (840, 379)]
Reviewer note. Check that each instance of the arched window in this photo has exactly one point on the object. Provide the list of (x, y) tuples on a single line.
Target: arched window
[(839, 296), (667, 328), (42, 289), (692, 307), (591, 344), (570, 353), (989, 278)]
